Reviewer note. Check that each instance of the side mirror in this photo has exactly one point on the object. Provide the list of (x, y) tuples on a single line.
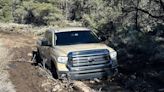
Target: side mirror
[(102, 38), (45, 42)]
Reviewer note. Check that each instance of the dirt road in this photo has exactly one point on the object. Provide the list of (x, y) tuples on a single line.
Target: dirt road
[(14, 49), (5, 83)]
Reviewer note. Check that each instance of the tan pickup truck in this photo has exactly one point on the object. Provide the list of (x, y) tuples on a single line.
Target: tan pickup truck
[(76, 53)]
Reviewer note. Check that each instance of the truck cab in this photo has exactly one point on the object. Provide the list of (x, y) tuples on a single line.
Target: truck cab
[(76, 53)]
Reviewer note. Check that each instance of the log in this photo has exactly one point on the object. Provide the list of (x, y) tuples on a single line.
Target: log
[(82, 87)]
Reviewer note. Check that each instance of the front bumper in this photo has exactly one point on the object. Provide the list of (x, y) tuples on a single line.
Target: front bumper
[(88, 74)]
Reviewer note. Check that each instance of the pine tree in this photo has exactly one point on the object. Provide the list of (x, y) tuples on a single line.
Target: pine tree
[(6, 11)]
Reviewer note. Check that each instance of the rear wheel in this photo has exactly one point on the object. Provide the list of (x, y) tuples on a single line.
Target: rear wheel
[(36, 57), (54, 70)]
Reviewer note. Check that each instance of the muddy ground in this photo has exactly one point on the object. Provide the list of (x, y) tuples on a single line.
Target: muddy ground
[(24, 76)]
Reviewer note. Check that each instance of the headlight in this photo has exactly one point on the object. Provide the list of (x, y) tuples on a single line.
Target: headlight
[(62, 60), (113, 55)]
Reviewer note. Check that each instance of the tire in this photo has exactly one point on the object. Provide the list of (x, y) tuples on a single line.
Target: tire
[(54, 70), (38, 57)]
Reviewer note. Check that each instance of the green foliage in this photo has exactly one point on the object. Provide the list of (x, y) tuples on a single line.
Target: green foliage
[(20, 14), (37, 12), (43, 12), (6, 11), (92, 13)]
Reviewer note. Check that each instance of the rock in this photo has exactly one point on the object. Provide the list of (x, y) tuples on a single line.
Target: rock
[(57, 88), (13, 66), (97, 80), (82, 87), (133, 76), (44, 84), (41, 73), (29, 54), (161, 90), (91, 81)]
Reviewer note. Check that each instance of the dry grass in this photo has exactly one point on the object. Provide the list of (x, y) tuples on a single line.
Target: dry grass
[(31, 29)]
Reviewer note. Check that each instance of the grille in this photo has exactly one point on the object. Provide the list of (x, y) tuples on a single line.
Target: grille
[(89, 60)]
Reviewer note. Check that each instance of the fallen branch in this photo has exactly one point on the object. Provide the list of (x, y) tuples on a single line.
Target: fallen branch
[(82, 87)]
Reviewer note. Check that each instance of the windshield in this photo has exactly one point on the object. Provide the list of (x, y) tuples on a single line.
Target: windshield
[(76, 37)]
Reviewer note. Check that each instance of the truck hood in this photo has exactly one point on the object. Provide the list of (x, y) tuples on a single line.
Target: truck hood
[(64, 50)]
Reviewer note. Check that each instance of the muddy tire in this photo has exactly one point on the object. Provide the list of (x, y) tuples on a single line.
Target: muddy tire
[(54, 70), (38, 58)]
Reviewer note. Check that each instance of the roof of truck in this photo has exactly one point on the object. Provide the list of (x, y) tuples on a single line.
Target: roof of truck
[(67, 29)]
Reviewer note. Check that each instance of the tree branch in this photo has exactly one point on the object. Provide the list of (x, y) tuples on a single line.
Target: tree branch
[(160, 2), (151, 15), (131, 9)]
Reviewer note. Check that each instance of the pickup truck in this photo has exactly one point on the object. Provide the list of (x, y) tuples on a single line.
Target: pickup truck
[(76, 53)]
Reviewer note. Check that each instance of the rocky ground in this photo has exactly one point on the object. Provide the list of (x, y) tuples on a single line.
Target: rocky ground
[(18, 73)]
